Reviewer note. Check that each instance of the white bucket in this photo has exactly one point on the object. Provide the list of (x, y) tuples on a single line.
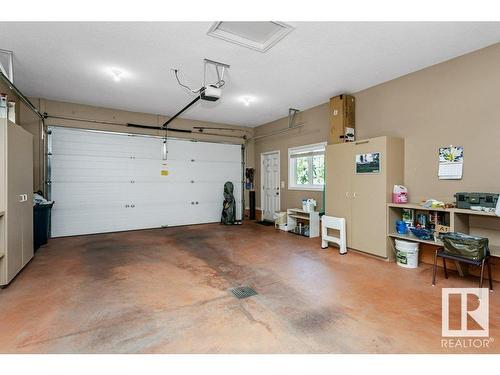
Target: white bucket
[(407, 254)]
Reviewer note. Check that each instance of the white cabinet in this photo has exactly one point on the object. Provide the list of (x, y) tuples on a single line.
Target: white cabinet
[(16, 201)]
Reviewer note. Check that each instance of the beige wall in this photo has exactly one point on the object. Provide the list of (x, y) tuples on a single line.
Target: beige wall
[(455, 102), (314, 130), (56, 108)]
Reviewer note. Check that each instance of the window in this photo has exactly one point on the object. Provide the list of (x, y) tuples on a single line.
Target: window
[(306, 167)]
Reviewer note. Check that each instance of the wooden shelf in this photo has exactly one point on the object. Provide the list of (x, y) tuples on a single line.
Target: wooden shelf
[(415, 206), (472, 212), (411, 237), (464, 211), (494, 249), (298, 210), (459, 222), (299, 217)]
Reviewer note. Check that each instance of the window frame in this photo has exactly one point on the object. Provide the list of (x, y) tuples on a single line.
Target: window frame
[(292, 185)]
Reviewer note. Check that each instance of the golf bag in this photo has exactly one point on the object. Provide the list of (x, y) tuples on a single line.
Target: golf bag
[(229, 208)]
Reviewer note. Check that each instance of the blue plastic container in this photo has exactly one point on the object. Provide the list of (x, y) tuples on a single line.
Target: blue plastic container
[(401, 227)]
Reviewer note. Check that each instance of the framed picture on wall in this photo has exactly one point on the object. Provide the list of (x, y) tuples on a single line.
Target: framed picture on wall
[(368, 163)]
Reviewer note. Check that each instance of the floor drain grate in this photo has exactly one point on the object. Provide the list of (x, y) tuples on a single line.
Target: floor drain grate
[(241, 292)]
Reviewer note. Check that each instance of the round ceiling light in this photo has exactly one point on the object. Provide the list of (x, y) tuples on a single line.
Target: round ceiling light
[(247, 100), (116, 74)]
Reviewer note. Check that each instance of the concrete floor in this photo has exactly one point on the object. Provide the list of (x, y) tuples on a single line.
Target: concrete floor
[(165, 291)]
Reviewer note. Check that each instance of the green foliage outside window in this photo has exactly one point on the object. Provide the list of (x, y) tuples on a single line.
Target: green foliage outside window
[(302, 171), (318, 169)]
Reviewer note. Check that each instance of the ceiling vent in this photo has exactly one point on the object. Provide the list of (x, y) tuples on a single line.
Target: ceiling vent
[(259, 35)]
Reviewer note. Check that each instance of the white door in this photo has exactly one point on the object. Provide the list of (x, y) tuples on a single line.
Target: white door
[(270, 176), (107, 182)]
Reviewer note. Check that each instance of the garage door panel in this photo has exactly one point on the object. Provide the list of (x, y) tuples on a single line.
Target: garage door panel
[(150, 170), (89, 170), (91, 219), (105, 182), (84, 143), (71, 194), (166, 192), (177, 213)]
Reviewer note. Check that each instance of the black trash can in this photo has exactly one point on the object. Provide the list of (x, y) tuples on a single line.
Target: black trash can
[(41, 222)]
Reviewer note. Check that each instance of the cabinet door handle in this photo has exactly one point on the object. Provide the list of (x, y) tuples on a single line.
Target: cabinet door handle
[(21, 198)]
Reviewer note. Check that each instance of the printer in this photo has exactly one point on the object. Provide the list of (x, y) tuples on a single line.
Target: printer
[(466, 200)]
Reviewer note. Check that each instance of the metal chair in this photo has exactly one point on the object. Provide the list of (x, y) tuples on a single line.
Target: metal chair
[(480, 263)]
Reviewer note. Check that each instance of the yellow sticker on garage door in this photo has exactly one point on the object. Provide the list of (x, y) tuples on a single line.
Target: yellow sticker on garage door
[(164, 173)]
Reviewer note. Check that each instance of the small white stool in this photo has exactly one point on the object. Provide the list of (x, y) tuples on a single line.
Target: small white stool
[(330, 222)]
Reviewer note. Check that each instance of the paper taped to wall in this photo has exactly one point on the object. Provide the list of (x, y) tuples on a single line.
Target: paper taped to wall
[(451, 162)]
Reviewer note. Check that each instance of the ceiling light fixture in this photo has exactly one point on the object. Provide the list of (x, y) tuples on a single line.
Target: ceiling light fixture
[(247, 100), (116, 74)]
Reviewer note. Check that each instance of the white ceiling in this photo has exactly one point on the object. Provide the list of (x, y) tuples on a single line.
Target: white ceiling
[(317, 60)]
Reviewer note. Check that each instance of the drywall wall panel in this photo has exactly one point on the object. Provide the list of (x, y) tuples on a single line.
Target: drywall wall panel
[(452, 103)]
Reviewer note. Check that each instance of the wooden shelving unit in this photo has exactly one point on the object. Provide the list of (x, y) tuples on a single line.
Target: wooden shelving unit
[(411, 237), (296, 215), (479, 223)]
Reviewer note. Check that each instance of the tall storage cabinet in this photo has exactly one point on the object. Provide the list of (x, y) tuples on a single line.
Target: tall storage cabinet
[(361, 198), (16, 199)]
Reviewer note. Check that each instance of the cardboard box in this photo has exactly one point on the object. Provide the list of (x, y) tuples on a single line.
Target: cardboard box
[(342, 119)]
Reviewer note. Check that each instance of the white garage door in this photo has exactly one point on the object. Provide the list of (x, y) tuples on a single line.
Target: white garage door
[(107, 182)]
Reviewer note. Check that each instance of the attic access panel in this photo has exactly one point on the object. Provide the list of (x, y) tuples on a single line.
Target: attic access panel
[(258, 35)]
